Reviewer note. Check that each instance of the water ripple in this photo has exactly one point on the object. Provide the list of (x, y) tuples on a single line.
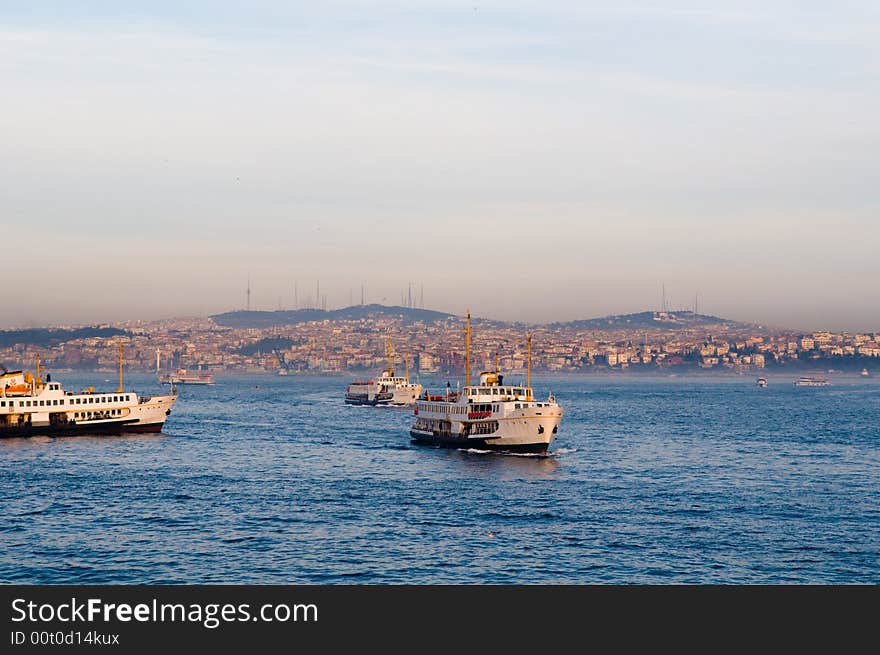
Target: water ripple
[(258, 480)]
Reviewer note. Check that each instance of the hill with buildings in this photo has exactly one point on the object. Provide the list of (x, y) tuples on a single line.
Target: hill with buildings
[(683, 320), (47, 337), (260, 319)]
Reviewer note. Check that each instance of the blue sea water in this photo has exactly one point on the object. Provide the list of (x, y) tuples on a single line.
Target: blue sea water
[(274, 480)]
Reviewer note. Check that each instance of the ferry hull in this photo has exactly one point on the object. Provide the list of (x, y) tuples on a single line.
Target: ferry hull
[(71, 429), (148, 415), (459, 443), (367, 402)]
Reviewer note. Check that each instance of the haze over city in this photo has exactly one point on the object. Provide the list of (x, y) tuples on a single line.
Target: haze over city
[(529, 161)]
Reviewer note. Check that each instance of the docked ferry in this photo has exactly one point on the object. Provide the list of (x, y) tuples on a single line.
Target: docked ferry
[(387, 389), (488, 416), (31, 406)]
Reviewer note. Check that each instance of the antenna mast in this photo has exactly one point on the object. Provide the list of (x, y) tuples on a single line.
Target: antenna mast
[(120, 367), (529, 367), (467, 351)]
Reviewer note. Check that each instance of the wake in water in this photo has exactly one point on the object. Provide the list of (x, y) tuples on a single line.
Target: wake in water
[(547, 455)]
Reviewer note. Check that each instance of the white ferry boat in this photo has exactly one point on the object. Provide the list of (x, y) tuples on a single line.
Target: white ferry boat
[(31, 406), (182, 376), (811, 382), (488, 416), (366, 392), (387, 389)]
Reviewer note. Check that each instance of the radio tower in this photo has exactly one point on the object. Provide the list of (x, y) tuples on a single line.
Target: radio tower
[(249, 293)]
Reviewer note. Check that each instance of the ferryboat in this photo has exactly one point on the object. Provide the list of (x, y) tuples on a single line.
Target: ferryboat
[(811, 382), (182, 376), (387, 389), (490, 415), (32, 406)]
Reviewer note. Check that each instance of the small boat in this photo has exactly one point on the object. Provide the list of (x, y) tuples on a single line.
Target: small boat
[(865, 372), (762, 382), (811, 382)]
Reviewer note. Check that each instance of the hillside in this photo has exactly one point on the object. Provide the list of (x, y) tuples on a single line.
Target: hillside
[(255, 319), (46, 337), (651, 320)]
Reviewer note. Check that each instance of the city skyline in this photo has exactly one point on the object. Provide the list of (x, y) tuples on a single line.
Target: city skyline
[(537, 163), (242, 342)]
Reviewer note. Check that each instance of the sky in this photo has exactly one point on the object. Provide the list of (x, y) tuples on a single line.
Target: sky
[(533, 161)]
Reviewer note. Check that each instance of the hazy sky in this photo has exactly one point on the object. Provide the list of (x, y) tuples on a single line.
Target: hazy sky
[(528, 160)]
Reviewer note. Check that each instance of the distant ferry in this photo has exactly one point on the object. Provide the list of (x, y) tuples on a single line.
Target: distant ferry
[(182, 376), (488, 416), (762, 382), (811, 382), (387, 389), (30, 406)]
